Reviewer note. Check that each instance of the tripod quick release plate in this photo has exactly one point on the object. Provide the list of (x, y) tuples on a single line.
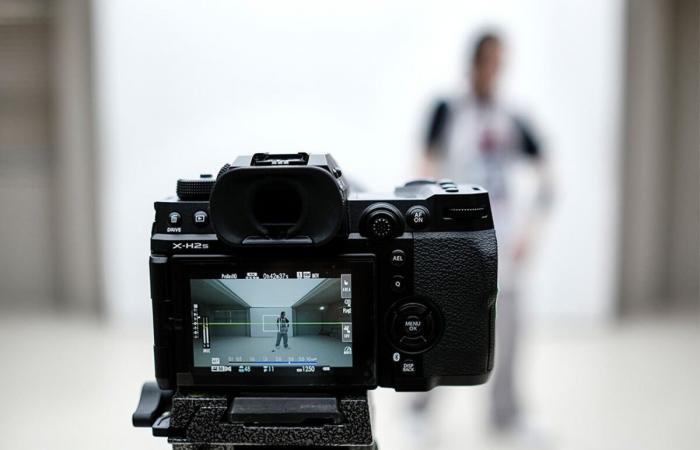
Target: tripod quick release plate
[(197, 421)]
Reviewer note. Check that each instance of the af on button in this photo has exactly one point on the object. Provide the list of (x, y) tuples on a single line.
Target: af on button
[(418, 217)]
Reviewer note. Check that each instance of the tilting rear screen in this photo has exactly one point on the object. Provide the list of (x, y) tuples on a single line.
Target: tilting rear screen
[(249, 322)]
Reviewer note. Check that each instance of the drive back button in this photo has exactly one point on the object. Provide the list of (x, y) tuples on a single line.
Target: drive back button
[(408, 367)]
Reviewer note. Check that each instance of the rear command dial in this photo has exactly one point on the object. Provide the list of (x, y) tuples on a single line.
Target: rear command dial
[(381, 221)]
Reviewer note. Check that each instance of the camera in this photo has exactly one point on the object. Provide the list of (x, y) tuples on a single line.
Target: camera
[(275, 276)]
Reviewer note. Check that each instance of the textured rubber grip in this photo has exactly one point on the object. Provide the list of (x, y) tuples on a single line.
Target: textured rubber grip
[(457, 271)]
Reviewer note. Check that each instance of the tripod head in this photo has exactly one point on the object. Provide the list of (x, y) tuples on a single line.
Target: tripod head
[(195, 421)]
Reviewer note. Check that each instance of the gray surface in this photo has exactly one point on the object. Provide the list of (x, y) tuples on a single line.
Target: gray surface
[(586, 387), (659, 228)]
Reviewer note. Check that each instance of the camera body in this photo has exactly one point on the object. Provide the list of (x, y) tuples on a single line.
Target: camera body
[(273, 276)]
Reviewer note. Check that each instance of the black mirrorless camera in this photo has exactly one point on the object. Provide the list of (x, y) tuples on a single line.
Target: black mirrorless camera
[(274, 276)]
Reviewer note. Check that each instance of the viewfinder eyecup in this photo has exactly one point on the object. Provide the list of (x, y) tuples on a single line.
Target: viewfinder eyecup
[(273, 205)]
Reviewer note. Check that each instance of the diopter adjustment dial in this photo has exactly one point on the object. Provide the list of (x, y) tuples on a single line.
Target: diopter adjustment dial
[(381, 221), (225, 168), (195, 188)]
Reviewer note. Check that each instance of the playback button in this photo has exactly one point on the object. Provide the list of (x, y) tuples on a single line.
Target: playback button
[(200, 218)]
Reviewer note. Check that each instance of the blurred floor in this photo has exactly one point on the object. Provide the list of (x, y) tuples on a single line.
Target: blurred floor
[(72, 384)]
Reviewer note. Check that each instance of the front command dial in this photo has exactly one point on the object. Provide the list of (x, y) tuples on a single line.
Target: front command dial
[(381, 221)]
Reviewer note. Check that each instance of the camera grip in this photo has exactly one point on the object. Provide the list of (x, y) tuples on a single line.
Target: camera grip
[(458, 272)]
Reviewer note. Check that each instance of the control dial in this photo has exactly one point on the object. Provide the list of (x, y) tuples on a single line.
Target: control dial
[(195, 188), (381, 221)]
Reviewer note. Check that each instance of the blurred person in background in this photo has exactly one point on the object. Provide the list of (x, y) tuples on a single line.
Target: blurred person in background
[(473, 138)]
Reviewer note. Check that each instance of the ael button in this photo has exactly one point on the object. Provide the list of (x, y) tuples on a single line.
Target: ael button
[(174, 219), (398, 258), (418, 217), (200, 218)]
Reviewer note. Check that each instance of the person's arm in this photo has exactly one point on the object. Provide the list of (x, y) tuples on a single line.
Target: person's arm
[(434, 142), (538, 211)]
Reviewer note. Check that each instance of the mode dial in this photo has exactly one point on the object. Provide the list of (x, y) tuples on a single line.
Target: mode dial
[(195, 188), (381, 221)]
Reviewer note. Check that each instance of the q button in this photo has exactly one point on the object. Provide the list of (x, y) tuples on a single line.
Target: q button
[(398, 284)]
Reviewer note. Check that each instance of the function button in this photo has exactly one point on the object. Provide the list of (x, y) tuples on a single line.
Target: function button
[(418, 217), (398, 258), (174, 219), (398, 283), (448, 185), (200, 218)]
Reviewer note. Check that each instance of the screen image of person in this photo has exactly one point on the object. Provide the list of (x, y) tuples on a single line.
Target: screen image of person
[(282, 331), (270, 321)]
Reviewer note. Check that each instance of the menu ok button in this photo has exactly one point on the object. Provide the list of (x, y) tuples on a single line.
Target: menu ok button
[(413, 326)]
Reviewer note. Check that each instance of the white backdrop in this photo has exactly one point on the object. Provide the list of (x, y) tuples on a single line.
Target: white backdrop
[(184, 86)]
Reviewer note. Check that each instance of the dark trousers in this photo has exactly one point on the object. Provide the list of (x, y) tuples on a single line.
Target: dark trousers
[(281, 336)]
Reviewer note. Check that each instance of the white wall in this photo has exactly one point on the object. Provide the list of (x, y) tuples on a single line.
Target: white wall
[(184, 86)]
